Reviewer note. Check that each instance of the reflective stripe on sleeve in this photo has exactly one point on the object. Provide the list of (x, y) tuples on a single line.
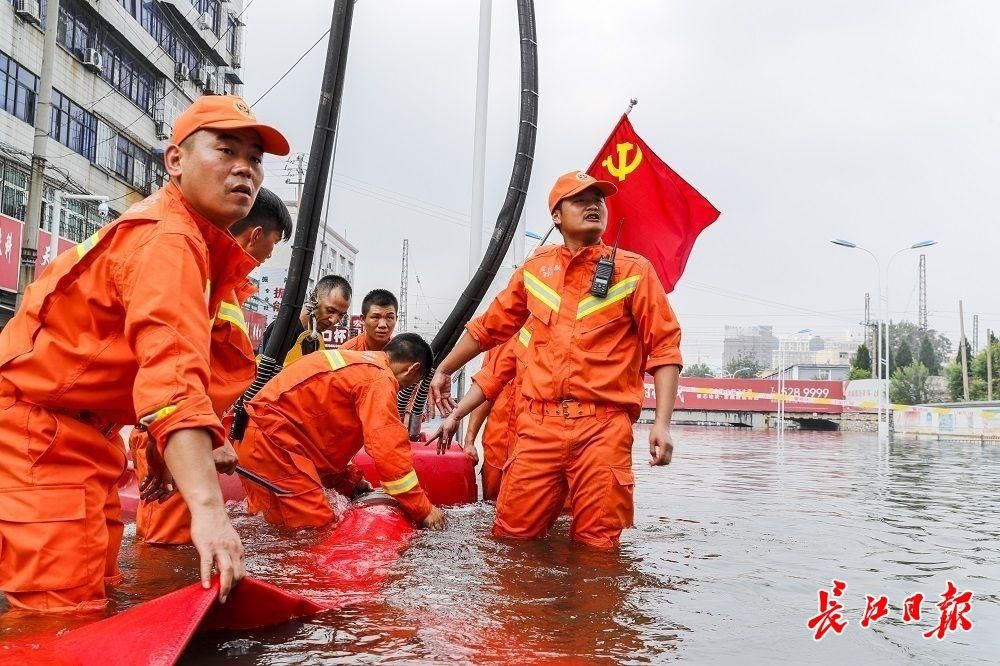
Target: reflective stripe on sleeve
[(407, 482), (158, 414), (524, 336), (335, 358), (232, 314)]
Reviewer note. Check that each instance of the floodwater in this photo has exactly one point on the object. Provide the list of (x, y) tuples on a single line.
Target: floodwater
[(731, 545)]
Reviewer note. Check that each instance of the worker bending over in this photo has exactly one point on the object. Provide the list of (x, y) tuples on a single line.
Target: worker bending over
[(378, 313), (309, 421), (327, 304), (582, 381), (117, 330), (166, 519)]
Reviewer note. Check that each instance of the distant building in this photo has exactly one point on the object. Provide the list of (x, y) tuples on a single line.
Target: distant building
[(123, 71), (814, 371), (334, 256), (755, 341)]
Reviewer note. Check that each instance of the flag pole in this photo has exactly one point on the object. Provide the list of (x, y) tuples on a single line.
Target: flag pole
[(631, 103)]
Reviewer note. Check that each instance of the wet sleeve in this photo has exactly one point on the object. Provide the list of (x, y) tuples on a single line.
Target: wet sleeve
[(658, 328), (506, 314), (499, 369), (387, 442), (168, 328)]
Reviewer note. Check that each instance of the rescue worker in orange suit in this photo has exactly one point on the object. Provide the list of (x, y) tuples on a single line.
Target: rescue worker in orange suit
[(117, 330), (232, 367), (309, 421), (582, 385), (500, 381), (328, 303), (378, 313)]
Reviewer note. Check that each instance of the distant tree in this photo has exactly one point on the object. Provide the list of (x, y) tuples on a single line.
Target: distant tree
[(909, 385), (968, 353), (859, 373), (862, 359), (744, 365), (913, 334), (956, 392), (904, 355), (928, 357), (698, 370)]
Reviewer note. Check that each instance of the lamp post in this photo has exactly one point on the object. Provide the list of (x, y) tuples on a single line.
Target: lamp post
[(882, 344), (732, 375)]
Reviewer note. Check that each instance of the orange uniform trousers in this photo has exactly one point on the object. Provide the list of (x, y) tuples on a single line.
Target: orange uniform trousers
[(60, 526), (167, 522), (576, 451), (498, 441), (306, 504)]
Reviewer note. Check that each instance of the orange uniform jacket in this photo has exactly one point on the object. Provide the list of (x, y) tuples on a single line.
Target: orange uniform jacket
[(119, 328), (357, 343), (316, 415), (500, 380), (232, 371), (576, 346)]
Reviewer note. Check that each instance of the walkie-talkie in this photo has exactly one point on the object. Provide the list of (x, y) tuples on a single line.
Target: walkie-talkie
[(605, 269)]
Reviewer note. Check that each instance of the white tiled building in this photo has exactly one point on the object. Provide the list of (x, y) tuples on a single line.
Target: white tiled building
[(123, 71)]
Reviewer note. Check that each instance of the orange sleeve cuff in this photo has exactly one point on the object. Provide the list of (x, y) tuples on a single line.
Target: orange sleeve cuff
[(668, 356), (415, 503), (191, 412), (479, 333), (491, 385)]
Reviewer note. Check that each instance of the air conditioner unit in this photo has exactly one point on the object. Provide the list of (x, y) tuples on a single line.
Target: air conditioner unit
[(212, 85), (182, 71), (236, 61), (27, 10), (200, 76), (163, 130), (92, 59), (205, 21)]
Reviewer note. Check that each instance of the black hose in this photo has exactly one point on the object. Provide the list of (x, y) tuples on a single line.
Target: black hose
[(510, 211), (310, 207)]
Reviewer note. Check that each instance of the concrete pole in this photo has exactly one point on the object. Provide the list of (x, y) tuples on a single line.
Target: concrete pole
[(989, 365), (43, 115), (479, 141), (965, 360)]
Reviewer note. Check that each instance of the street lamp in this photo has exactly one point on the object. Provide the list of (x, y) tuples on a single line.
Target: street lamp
[(732, 375), (57, 215), (883, 340)]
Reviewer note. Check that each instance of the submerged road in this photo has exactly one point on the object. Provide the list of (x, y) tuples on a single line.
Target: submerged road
[(732, 543)]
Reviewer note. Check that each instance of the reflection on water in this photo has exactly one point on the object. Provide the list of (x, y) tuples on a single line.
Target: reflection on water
[(732, 542)]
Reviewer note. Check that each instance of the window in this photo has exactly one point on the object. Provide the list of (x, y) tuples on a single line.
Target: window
[(80, 219), (132, 163), (18, 89), (214, 10), (72, 126), (14, 193), (161, 28)]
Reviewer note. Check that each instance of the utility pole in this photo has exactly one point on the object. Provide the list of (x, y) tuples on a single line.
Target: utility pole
[(989, 365), (964, 343), (975, 334), (299, 166), (868, 320), (479, 136), (404, 286), (922, 313), (43, 114)]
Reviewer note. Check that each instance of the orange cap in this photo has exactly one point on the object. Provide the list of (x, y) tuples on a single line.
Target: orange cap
[(570, 183), (221, 112)]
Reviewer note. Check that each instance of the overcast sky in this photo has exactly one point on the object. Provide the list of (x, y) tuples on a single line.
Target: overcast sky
[(878, 122)]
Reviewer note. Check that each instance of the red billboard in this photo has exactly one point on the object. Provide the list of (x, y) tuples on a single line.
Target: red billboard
[(256, 323), (753, 395), (10, 252)]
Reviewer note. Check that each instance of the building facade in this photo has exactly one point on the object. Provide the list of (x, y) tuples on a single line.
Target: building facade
[(757, 342), (123, 70), (334, 256)]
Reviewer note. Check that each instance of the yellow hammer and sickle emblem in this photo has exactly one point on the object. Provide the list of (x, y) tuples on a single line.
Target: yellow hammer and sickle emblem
[(624, 167)]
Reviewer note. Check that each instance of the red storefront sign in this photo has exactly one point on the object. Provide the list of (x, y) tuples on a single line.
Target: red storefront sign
[(753, 395), (256, 323), (357, 325), (44, 259), (10, 252)]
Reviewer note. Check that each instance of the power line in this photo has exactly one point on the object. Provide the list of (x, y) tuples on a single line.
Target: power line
[(289, 70)]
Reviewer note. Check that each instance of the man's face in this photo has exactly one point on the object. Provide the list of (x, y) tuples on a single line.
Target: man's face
[(219, 172), (379, 323), (259, 243), (331, 309), (583, 216)]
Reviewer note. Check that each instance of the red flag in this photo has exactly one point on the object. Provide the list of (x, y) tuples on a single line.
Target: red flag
[(663, 214)]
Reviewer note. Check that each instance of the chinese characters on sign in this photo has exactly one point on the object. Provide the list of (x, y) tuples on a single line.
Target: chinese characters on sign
[(952, 610)]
